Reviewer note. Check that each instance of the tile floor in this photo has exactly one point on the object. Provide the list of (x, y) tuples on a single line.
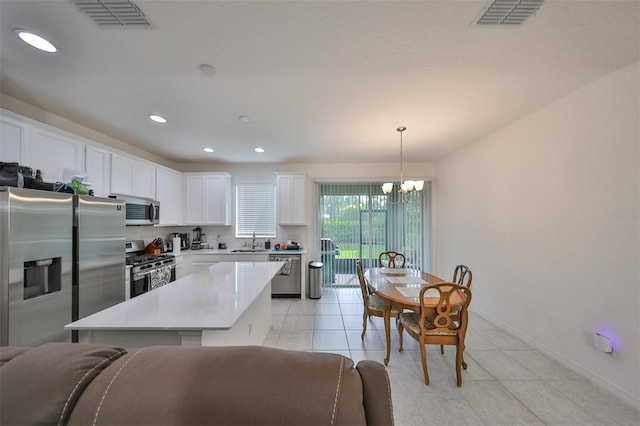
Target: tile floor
[(507, 382)]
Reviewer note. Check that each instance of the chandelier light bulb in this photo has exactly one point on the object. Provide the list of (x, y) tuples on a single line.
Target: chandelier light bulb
[(406, 186)]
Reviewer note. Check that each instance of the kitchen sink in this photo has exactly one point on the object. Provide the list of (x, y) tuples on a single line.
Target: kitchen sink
[(249, 250)]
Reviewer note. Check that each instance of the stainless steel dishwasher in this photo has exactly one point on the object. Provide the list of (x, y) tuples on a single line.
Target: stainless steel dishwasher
[(287, 282)]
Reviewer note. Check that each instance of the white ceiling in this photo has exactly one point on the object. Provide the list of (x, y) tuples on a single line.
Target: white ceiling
[(321, 81)]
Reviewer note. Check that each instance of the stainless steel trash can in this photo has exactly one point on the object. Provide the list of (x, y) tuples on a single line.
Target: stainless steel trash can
[(314, 291)]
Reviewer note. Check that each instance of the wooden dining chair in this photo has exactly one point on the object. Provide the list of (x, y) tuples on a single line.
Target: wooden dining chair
[(438, 325), (373, 304), (392, 259), (462, 275)]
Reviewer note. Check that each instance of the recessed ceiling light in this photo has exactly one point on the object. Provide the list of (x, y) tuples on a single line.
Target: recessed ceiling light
[(157, 118), (207, 149), (243, 118), (207, 69), (36, 41), (258, 149)]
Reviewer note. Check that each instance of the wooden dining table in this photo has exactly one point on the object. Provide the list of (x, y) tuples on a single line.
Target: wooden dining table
[(400, 287)]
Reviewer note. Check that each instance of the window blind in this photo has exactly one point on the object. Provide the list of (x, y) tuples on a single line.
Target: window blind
[(256, 210), (362, 222)]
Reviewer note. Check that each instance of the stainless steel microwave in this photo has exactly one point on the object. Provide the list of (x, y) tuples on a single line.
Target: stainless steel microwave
[(140, 211)]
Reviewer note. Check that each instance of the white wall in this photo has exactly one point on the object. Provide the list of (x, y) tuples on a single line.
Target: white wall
[(546, 212)]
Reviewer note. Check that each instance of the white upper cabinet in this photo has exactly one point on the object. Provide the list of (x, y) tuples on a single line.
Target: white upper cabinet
[(170, 193), (208, 198), (14, 137), (290, 207), (130, 176), (98, 170), (55, 154)]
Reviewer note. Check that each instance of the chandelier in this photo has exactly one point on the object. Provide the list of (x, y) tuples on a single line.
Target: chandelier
[(406, 186)]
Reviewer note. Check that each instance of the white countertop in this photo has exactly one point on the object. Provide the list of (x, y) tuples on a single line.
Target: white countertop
[(230, 252), (212, 299)]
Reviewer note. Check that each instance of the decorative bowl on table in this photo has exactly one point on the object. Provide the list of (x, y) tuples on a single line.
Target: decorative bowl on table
[(394, 271)]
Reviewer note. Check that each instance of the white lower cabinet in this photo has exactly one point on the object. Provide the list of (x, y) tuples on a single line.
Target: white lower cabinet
[(195, 262), (180, 269)]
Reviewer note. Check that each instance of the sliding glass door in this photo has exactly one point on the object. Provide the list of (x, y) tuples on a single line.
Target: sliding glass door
[(357, 221)]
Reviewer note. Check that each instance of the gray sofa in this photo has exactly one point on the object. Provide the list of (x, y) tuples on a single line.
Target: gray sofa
[(80, 384)]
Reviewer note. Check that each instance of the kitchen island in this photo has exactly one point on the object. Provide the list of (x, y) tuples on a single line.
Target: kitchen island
[(227, 304)]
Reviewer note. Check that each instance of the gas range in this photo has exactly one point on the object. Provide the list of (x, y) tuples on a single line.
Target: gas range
[(148, 271), (150, 261), (141, 261)]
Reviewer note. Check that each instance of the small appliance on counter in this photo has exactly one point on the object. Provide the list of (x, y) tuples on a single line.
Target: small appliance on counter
[(197, 239), (291, 245), (184, 241)]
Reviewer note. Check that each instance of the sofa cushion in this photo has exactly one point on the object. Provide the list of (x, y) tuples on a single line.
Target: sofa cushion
[(41, 385), (249, 385), (7, 353)]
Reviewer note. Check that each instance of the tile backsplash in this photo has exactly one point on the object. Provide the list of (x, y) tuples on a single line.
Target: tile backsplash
[(214, 235)]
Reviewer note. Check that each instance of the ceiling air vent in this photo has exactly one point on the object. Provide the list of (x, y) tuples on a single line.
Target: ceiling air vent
[(113, 13), (508, 12)]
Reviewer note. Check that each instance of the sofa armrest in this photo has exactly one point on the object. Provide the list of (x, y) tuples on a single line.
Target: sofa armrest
[(377, 393), (41, 385)]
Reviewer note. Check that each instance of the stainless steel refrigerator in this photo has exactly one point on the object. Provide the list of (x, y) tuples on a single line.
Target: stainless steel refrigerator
[(61, 258)]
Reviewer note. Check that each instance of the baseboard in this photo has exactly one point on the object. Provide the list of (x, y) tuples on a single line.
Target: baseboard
[(601, 382)]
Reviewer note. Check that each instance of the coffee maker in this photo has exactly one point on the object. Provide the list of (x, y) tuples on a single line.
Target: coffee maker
[(184, 240)]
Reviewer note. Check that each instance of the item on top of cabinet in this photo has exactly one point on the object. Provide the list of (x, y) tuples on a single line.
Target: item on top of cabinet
[(13, 174), (267, 244), (79, 187), (222, 246)]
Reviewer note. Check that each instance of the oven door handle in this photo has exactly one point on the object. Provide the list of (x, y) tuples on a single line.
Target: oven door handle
[(142, 274)]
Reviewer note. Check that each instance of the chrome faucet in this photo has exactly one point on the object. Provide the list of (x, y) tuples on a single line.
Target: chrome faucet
[(253, 243)]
